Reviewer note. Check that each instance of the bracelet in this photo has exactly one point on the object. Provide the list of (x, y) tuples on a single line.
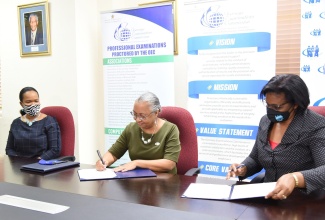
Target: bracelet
[(296, 180)]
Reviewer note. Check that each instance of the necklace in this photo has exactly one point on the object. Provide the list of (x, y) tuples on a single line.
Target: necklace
[(31, 122), (149, 140)]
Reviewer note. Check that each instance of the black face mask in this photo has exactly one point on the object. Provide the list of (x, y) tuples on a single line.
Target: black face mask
[(276, 116)]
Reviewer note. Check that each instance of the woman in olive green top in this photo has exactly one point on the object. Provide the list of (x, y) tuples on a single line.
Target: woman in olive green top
[(152, 142)]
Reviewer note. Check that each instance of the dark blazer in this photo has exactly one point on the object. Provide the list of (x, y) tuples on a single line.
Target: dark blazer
[(38, 37), (41, 139), (302, 149)]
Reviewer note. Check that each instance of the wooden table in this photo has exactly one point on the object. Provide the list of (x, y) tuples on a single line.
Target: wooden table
[(165, 191)]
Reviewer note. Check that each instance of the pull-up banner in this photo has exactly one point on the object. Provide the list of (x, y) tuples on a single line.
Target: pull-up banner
[(231, 56), (138, 56), (312, 60)]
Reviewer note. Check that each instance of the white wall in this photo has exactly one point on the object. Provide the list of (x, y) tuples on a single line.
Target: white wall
[(90, 81), (72, 75), (53, 76)]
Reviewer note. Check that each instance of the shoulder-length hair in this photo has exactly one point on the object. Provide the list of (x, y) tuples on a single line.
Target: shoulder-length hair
[(293, 87)]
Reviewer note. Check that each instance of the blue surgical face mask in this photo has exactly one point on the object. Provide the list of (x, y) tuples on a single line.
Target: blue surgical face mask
[(32, 110), (276, 116)]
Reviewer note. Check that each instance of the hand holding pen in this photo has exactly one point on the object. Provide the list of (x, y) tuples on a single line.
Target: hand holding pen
[(236, 170), (100, 165)]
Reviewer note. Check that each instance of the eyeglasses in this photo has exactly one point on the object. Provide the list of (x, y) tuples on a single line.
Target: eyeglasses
[(274, 106), (140, 117)]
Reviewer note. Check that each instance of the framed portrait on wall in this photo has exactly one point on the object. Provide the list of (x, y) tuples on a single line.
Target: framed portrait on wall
[(34, 29)]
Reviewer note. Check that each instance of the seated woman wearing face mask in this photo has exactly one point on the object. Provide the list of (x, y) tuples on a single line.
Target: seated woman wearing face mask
[(34, 134), (290, 144)]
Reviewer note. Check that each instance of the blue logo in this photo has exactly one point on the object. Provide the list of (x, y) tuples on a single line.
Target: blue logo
[(122, 33), (311, 51), (318, 102), (307, 15), (322, 69), (305, 68), (279, 117), (212, 18), (322, 15), (312, 1), (316, 32)]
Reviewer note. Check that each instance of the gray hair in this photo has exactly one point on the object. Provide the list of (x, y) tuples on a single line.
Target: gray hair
[(152, 99), (33, 15)]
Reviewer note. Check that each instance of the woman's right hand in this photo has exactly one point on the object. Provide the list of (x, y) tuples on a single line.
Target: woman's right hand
[(233, 171), (100, 166)]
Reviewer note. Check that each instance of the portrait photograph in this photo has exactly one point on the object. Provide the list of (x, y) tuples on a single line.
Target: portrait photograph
[(34, 30)]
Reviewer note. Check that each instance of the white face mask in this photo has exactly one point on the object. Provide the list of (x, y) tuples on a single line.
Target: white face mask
[(32, 110)]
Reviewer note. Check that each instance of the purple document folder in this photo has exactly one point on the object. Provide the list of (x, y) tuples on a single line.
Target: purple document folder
[(136, 173), (41, 168)]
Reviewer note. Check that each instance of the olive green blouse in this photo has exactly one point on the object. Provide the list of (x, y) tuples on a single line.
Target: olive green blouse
[(165, 144)]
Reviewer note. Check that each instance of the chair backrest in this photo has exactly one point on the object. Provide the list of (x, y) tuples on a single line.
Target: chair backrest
[(187, 133), (318, 109), (65, 120)]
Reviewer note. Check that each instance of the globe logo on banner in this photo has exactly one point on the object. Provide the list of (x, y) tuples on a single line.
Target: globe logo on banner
[(122, 33), (311, 51), (322, 15), (212, 18), (307, 15), (316, 32), (322, 69)]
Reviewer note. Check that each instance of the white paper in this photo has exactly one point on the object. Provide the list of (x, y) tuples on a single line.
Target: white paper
[(207, 191), (32, 204), (252, 190), (93, 174), (217, 191)]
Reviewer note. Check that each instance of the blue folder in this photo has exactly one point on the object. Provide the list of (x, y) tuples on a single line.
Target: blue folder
[(41, 168), (136, 173)]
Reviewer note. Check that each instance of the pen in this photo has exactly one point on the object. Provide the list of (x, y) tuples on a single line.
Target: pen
[(59, 161), (240, 166), (100, 157)]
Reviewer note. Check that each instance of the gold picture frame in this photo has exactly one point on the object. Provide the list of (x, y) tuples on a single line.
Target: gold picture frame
[(34, 29), (174, 5)]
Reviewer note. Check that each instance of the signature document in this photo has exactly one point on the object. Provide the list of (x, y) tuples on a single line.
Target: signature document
[(108, 173), (93, 174), (226, 192)]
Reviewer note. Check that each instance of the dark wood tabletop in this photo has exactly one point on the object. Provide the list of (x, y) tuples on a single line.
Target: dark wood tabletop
[(165, 191)]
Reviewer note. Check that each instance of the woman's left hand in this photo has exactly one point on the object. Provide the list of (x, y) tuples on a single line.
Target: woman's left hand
[(126, 167), (284, 187)]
